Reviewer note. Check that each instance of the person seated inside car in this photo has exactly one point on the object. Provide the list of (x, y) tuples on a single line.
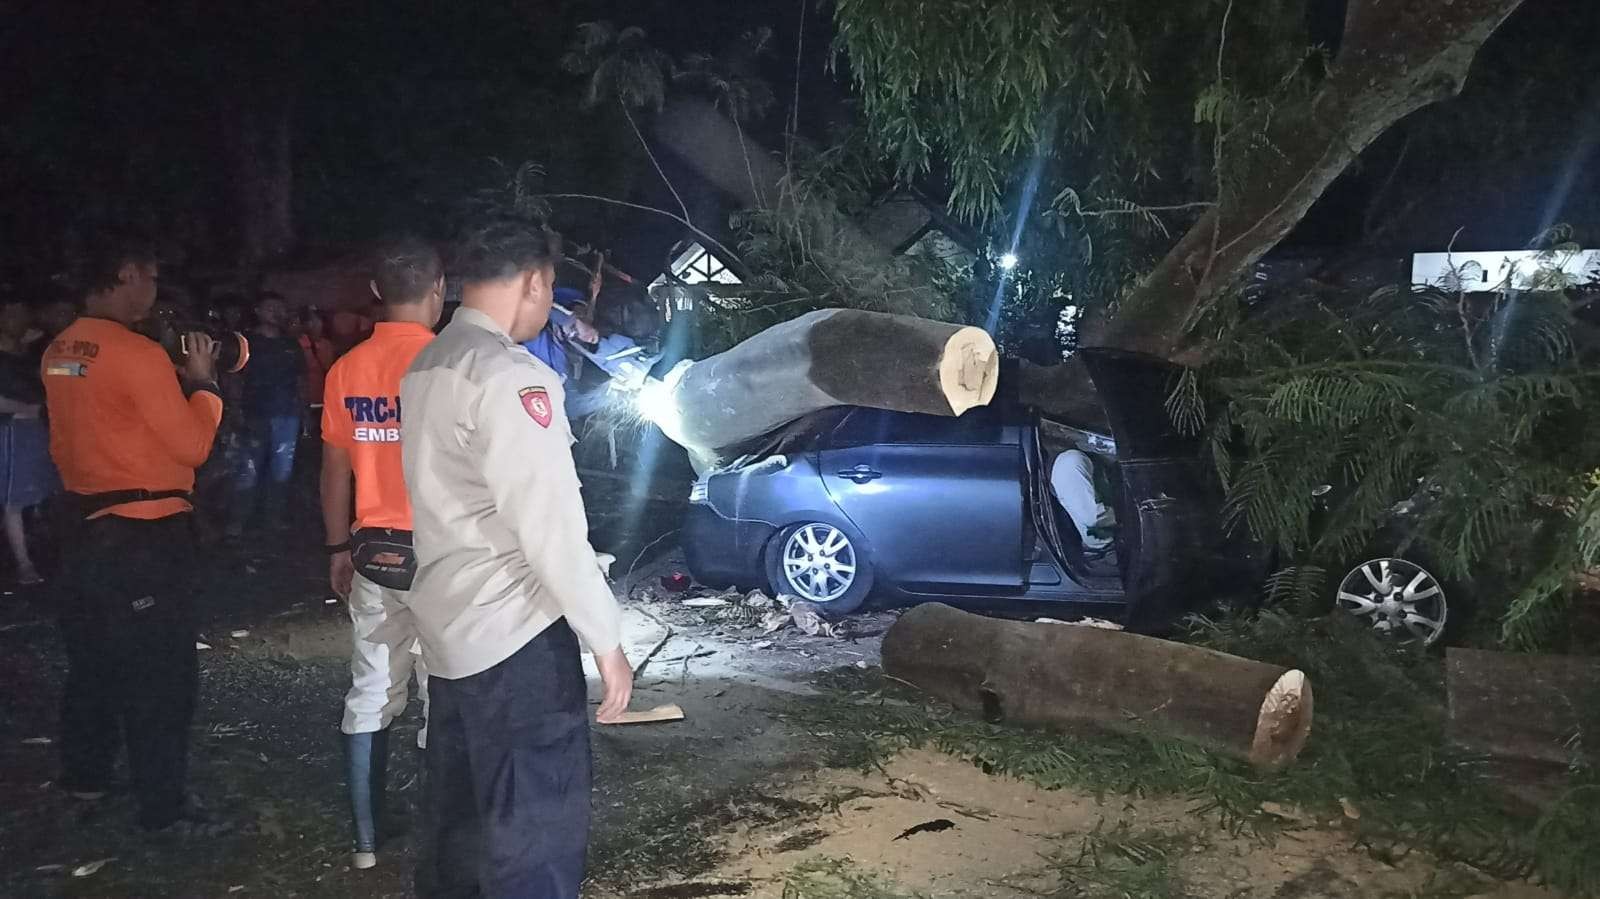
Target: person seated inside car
[(1080, 491)]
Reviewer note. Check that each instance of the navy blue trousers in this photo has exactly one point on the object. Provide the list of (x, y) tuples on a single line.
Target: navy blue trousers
[(509, 776)]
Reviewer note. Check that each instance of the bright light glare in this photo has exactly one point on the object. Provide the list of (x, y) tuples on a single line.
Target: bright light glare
[(654, 402), (1009, 261)]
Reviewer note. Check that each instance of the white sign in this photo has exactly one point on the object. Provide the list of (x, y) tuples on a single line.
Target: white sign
[(1500, 269)]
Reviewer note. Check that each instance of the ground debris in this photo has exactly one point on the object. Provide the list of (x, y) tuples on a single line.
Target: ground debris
[(934, 826), (89, 869), (702, 889), (808, 618), (1279, 810)]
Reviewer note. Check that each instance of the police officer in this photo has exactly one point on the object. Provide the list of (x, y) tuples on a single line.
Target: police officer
[(507, 585), (372, 567), (127, 432)]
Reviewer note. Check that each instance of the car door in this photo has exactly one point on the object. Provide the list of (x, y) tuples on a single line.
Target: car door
[(939, 500)]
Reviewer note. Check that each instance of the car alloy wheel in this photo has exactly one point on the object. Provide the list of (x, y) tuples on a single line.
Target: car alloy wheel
[(1401, 599), (819, 563)]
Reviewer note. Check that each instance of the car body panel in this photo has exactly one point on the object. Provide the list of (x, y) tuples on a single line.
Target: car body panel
[(943, 515)]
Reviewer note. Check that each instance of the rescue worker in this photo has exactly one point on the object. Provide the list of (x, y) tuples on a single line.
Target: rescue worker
[(507, 585), (127, 434), (361, 438)]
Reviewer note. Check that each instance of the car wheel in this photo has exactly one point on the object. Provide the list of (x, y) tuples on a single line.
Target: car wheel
[(1400, 599), (821, 564)]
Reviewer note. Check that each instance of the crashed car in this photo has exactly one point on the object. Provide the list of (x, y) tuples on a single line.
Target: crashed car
[(851, 502)]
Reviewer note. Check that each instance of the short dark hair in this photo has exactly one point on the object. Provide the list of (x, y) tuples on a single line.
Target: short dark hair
[(405, 269), (97, 261), (500, 248)]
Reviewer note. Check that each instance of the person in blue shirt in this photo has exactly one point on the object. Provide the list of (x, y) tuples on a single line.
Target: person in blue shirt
[(550, 347), (271, 403)]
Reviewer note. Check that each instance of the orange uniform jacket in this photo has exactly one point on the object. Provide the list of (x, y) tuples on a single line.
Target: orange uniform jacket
[(119, 419), (361, 414)]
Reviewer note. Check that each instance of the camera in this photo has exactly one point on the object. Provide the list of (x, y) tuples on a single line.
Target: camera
[(172, 332)]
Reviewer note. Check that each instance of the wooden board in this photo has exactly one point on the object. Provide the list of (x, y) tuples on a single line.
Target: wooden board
[(658, 715)]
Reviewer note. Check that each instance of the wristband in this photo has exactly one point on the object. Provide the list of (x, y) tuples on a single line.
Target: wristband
[(211, 387), (333, 549)]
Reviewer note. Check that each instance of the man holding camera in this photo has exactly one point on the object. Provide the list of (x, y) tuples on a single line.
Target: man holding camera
[(372, 567), (127, 434)]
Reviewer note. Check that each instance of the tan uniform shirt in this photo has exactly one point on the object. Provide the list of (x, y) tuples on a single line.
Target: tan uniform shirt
[(501, 537)]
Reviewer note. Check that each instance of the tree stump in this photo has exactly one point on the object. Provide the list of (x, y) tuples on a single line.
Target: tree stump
[(1055, 674)]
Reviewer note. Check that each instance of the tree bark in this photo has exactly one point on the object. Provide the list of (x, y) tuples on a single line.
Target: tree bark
[(1396, 57), (832, 357), (1527, 708), (1055, 674)]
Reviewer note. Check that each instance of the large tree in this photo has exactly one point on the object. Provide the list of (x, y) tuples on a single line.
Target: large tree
[(1217, 116)]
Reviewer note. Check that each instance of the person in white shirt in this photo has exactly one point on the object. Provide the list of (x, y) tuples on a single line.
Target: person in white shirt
[(1072, 481), (506, 587)]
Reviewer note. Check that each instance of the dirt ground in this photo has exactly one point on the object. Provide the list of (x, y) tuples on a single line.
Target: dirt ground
[(733, 801)]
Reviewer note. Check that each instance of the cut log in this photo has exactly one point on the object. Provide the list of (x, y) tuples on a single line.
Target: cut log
[(1047, 674), (832, 357), (1529, 708)]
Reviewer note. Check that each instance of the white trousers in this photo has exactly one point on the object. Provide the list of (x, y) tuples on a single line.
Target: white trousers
[(1072, 481), (380, 669)]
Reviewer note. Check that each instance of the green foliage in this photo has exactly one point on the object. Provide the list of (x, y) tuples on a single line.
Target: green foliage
[(731, 78), (804, 253), (620, 65), (1468, 412), (1087, 133), (1122, 863)]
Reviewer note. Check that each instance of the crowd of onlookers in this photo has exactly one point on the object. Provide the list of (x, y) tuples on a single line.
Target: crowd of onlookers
[(272, 405)]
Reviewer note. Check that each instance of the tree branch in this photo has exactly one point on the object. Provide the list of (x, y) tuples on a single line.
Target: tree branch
[(729, 255), (655, 162)]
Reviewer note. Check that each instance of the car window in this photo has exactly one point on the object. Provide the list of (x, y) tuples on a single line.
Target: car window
[(864, 427)]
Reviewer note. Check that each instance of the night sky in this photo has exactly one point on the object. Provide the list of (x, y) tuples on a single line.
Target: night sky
[(397, 106)]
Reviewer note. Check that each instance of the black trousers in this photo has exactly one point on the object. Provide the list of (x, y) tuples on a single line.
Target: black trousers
[(509, 775), (128, 627)]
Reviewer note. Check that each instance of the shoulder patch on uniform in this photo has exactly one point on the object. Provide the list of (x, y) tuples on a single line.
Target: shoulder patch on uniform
[(536, 402)]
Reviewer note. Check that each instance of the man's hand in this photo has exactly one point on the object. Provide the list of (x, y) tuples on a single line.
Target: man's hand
[(200, 362), (341, 573), (617, 676)]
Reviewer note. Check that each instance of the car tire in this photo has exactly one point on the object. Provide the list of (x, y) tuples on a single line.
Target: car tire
[(1414, 588), (832, 597)]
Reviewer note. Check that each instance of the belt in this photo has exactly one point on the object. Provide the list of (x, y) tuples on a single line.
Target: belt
[(93, 503)]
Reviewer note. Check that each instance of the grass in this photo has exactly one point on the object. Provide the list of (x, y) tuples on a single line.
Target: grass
[(1377, 744), (1122, 863), (833, 878)]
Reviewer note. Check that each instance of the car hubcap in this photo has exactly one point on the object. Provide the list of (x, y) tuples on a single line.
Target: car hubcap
[(819, 563), (1401, 599)]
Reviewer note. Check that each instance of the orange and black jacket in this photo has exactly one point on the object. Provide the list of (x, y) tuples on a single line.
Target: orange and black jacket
[(119, 419)]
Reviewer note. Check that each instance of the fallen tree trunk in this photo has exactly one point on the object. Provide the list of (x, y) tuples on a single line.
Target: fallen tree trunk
[(832, 357), (1531, 708), (1056, 674)]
